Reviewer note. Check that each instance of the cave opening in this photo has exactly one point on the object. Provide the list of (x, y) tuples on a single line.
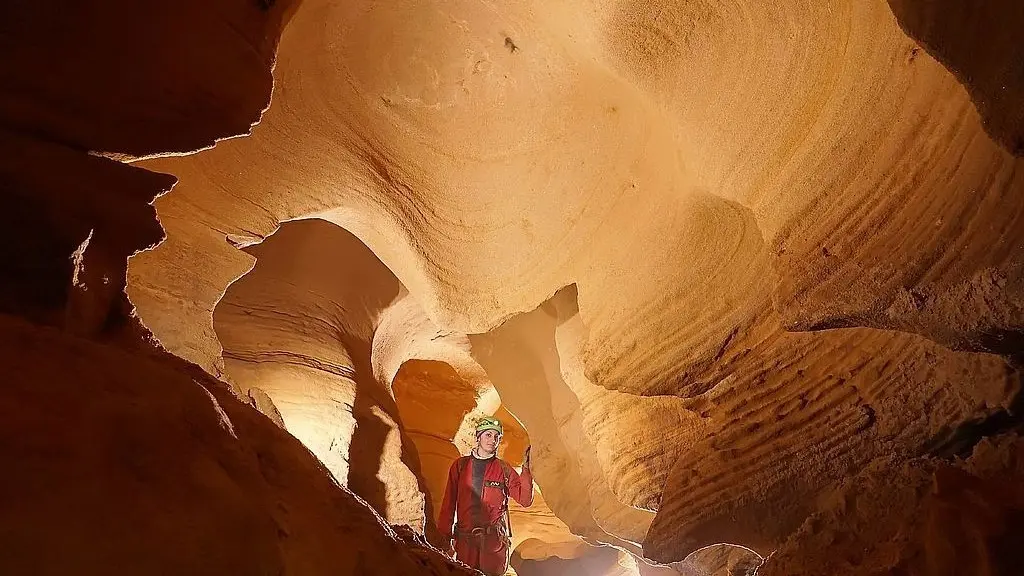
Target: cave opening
[(341, 356)]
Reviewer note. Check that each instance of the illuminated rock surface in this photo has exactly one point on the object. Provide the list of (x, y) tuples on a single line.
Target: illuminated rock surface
[(745, 273)]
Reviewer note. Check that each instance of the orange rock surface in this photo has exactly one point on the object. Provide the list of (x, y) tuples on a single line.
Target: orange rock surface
[(748, 276)]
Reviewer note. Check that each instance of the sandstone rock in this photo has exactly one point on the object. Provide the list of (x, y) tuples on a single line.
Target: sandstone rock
[(930, 518), (121, 463), (120, 458), (117, 78), (978, 44), (746, 275)]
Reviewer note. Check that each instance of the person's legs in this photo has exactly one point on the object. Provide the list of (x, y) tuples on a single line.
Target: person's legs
[(467, 551), (494, 560)]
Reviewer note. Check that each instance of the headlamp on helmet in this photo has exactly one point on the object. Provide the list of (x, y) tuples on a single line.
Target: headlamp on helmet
[(488, 423)]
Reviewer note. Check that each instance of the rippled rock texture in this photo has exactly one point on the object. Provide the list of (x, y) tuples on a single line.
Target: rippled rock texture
[(745, 273), (119, 457)]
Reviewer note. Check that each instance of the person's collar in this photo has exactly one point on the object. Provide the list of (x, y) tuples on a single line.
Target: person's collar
[(479, 457)]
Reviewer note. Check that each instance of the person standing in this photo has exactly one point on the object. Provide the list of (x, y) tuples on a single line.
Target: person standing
[(474, 512)]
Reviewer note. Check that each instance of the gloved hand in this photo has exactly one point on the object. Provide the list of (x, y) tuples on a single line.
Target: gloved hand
[(526, 458)]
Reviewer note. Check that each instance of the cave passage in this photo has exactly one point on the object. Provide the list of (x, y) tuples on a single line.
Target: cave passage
[(748, 276)]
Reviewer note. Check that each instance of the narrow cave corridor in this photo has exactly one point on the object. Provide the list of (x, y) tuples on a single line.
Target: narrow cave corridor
[(319, 343), (746, 277)]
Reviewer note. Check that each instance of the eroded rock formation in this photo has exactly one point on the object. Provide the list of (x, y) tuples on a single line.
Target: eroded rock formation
[(926, 517), (119, 457), (118, 462), (975, 43), (359, 374), (742, 273)]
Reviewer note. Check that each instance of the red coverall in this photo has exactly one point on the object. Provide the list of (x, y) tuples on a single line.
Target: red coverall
[(481, 536)]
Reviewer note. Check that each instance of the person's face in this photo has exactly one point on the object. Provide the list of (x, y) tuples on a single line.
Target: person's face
[(488, 440)]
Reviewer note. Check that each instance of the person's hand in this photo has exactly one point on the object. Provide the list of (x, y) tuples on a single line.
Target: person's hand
[(526, 458)]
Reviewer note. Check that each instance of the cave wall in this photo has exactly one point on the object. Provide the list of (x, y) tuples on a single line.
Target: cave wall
[(122, 462), (847, 189), (118, 456), (976, 43), (125, 80), (926, 517), (364, 379), (792, 232), (301, 330)]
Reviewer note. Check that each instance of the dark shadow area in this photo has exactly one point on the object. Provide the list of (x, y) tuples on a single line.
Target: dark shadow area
[(367, 445), (959, 442), (34, 258), (136, 78), (65, 235), (312, 300), (981, 44), (1008, 343)]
